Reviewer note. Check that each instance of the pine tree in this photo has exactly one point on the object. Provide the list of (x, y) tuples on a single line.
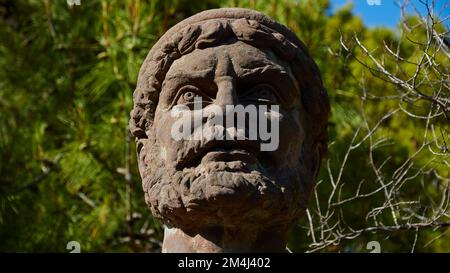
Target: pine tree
[(68, 166)]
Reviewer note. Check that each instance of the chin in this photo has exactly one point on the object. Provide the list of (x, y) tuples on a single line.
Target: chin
[(226, 194)]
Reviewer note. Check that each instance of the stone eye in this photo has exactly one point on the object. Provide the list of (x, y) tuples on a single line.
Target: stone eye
[(262, 93), (190, 95), (265, 93)]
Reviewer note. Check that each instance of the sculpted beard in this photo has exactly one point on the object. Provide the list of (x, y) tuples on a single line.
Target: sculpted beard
[(220, 193)]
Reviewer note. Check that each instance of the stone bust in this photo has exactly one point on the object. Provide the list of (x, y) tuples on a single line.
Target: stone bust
[(229, 195)]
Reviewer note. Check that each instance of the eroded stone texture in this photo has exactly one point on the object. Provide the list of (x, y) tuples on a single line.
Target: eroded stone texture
[(222, 195)]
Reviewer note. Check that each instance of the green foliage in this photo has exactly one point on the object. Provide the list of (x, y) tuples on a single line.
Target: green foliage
[(68, 166)]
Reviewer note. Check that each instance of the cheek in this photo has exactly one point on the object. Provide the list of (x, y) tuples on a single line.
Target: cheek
[(291, 138), (292, 132), (169, 145)]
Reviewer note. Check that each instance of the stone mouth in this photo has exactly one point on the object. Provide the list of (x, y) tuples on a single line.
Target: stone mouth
[(245, 152), (228, 155)]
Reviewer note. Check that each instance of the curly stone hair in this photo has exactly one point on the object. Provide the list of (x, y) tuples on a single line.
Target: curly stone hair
[(213, 27)]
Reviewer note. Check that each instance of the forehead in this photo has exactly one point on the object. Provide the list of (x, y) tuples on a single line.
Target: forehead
[(248, 66), (238, 54)]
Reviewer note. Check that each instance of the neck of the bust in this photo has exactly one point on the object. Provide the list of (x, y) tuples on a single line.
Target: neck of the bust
[(224, 240)]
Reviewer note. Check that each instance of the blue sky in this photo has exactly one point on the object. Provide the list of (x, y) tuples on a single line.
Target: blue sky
[(388, 13)]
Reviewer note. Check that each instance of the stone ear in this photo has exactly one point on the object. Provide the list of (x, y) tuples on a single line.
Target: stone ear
[(141, 154), (142, 146)]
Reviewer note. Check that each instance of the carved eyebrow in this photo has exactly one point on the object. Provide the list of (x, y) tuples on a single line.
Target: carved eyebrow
[(191, 74), (263, 70), (202, 79), (274, 75)]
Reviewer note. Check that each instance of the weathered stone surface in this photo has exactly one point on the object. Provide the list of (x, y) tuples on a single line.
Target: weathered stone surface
[(228, 195)]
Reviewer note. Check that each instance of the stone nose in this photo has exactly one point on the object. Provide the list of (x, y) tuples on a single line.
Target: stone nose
[(226, 92), (224, 103)]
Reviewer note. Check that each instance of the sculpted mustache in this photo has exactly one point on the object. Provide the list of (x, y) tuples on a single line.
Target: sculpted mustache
[(194, 150)]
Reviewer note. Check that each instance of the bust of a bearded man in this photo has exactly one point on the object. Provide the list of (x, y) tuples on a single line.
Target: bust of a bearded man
[(229, 192)]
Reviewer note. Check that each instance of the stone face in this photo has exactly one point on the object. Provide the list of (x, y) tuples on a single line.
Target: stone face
[(228, 194)]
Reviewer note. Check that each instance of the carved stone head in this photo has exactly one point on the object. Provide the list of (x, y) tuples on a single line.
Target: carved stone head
[(215, 59)]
